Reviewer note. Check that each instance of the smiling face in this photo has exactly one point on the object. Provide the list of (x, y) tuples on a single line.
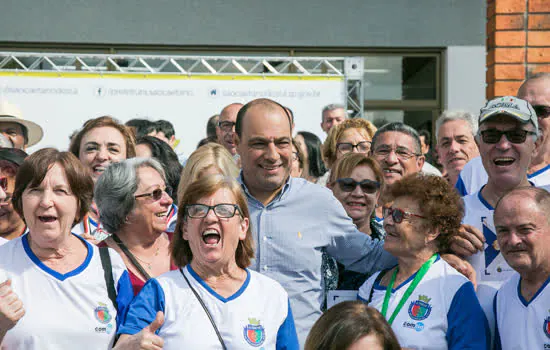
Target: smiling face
[(50, 209), (537, 93), (523, 233), (226, 132), (100, 147), (358, 205), (265, 150), (400, 161), (506, 163), (213, 240), (150, 215), (455, 145)]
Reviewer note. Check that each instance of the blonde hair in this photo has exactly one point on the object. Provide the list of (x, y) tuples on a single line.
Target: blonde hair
[(329, 148), (204, 157)]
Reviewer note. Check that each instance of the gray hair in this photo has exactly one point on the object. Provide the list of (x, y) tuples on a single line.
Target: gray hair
[(402, 128), (114, 190), (448, 116), (332, 107)]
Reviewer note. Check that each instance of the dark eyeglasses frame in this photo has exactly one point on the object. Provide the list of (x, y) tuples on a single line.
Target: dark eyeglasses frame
[(381, 153), (542, 111), (226, 125), (214, 208), (516, 136), (398, 215), (156, 194), (353, 146), (367, 186)]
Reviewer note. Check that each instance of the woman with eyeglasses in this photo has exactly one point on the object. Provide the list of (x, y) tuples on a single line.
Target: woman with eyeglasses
[(213, 301), (134, 204), (427, 302), (355, 180)]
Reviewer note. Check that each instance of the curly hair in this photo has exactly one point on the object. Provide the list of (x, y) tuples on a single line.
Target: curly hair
[(438, 201), (329, 148)]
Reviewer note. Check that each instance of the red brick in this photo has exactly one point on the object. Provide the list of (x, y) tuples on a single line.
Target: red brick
[(507, 88), (539, 68), (510, 38), (509, 72), (539, 6), (509, 22), (538, 38), (510, 6), (538, 55), (509, 55), (539, 21)]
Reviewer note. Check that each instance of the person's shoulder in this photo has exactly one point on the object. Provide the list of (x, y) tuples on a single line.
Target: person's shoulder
[(267, 283), (429, 169), (305, 189), (453, 279), (9, 248), (366, 287), (510, 287)]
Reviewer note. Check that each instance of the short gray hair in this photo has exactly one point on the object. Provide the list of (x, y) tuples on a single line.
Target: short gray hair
[(448, 116), (114, 190), (332, 107), (402, 128)]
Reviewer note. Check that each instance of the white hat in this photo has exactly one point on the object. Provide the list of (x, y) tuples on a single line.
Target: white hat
[(512, 106), (12, 114)]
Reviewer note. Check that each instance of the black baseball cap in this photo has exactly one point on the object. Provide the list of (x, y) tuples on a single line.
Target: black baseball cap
[(14, 155)]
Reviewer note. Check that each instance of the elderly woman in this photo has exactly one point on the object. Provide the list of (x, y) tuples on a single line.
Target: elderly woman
[(213, 301), (101, 142), (351, 325), (355, 180), (134, 203), (427, 302), (310, 145), (62, 291)]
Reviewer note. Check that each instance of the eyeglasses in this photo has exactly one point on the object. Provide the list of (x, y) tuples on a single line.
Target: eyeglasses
[(156, 194), (226, 126), (222, 210), (346, 147), (398, 215), (401, 152), (516, 136), (542, 111), (349, 185)]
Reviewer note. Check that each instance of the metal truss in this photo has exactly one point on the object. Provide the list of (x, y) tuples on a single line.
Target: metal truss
[(274, 66)]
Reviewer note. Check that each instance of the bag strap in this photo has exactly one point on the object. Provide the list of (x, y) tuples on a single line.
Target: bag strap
[(108, 275), (205, 310), (131, 256)]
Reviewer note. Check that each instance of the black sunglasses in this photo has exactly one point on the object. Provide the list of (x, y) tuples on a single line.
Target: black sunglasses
[(349, 185), (542, 111), (398, 215), (516, 136), (156, 194)]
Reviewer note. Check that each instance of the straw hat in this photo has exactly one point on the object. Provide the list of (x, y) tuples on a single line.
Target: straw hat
[(12, 114)]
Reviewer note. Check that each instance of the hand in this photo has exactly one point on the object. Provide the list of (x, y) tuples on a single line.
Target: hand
[(461, 266), (11, 307), (146, 339), (468, 241)]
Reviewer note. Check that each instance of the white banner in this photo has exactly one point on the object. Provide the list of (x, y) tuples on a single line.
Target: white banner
[(62, 104)]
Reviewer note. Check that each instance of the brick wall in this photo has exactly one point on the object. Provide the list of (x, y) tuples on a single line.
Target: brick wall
[(518, 43)]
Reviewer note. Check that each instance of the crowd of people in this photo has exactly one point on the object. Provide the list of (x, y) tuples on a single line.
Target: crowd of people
[(119, 242)]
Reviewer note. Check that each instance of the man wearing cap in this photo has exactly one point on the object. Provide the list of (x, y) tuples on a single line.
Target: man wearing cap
[(11, 224), (508, 138), (22, 133)]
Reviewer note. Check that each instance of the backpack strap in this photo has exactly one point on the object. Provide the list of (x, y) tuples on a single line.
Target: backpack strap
[(108, 274)]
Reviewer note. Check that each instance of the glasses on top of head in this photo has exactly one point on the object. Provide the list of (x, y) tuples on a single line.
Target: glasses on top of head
[(156, 194), (516, 136), (398, 215), (349, 185), (542, 111), (346, 147), (226, 126), (222, 210), (401, 152)]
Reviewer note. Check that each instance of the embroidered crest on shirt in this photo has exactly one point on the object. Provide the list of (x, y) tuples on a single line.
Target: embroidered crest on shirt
[(546, 326), (102, 314), (420, 309), (254, 332)]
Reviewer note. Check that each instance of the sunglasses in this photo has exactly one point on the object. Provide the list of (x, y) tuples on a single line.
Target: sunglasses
[(398, 215), (542, 111), (349, 185), (516, 136), (156, 194), (223, 210)]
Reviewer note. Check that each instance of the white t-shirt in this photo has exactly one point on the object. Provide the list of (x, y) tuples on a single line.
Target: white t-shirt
[(64, 311), (522, 324), (257, 316), (441, 313)]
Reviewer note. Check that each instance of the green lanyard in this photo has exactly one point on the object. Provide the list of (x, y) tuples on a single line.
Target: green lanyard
[(425, 267)]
